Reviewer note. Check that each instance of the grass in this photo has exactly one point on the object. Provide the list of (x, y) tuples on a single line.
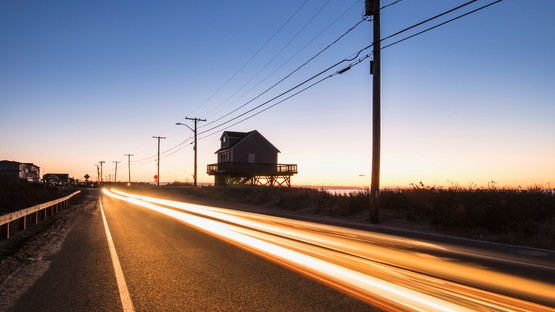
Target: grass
[(524, 216)]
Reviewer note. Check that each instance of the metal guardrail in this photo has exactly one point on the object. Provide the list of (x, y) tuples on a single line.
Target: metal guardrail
[(50, 208)]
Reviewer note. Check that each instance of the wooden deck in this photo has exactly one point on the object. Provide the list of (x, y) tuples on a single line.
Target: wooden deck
[(231, 173), (249, 168)]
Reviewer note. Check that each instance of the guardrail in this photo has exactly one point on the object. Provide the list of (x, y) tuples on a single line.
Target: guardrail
[(38, 212)]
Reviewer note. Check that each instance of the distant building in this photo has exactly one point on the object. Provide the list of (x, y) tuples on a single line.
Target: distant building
[(16, 171), (248, 158), (57, 178)]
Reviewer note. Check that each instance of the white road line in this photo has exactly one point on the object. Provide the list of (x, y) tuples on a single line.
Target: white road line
[(126, 302)]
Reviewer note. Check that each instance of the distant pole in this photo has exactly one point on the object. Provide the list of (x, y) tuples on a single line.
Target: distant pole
[(101, 162), (195, 120), (116, 172), (373, 8), (158, 174), (129, 165)]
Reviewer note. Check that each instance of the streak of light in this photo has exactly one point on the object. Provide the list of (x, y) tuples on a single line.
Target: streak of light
[(367, 265)]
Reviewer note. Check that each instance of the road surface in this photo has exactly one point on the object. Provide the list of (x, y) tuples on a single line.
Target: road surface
[(174, 256), (168, 266)]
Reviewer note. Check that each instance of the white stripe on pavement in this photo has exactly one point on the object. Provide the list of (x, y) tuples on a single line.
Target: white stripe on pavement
[(126, 302)]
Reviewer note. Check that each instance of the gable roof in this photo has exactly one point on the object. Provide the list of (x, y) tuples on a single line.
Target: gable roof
[(242, 136), (236, 135)]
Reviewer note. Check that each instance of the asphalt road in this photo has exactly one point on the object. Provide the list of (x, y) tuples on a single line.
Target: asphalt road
[(168, 266)]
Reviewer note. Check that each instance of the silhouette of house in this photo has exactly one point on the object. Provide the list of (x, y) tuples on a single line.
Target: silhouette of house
[(16, 171), (57, 178), (248, 158)]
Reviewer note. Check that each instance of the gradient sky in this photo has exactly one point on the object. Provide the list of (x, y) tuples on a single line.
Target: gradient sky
[(469, 102)]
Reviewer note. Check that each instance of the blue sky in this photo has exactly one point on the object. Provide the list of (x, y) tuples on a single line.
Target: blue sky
[(469, 102)]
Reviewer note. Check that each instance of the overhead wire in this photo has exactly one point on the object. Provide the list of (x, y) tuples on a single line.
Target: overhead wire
[(275, 55), (276, 97), (252, 57), (294, 55), (441, 24), (388, 5), (305, 63), (288, 75), (351, 65), (356, 55)]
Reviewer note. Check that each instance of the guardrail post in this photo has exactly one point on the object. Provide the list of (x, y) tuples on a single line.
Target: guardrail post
[(35, 218), (23, 223), (5, 230)]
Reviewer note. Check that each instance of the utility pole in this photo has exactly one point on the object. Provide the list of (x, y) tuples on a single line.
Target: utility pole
[(116, 172), (101, 162), (129, 166), (158, 175), (373, 8), (195, 120)]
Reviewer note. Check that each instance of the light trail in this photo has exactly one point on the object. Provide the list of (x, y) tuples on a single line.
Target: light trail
[(389, 271)]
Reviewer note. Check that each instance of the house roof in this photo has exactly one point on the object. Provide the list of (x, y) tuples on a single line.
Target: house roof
[(235, 134), (17, 162), (241, 136)]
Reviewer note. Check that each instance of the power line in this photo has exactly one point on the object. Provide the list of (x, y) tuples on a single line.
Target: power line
[(267, 108), (274, 98), (388, 5), (428, 20), (288, 75), (341, 71), (252, 57), (330, 67), (275, 55), (293, 56), (348, 67), (441, 24)]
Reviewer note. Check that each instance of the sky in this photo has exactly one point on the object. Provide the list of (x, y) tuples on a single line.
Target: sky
[(467, 103)]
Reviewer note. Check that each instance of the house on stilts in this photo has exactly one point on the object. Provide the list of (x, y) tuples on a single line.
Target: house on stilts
[(248, 158)]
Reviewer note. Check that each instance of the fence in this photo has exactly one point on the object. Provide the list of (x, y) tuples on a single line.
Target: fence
[(38, 212)]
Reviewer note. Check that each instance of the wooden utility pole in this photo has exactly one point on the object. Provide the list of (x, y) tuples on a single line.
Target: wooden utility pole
[(101, 162), (129, 166), (116, 172), (158, 175), (195, 120), (373, 9)]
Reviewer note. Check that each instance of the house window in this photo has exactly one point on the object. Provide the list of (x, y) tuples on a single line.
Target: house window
[(252, 158)]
